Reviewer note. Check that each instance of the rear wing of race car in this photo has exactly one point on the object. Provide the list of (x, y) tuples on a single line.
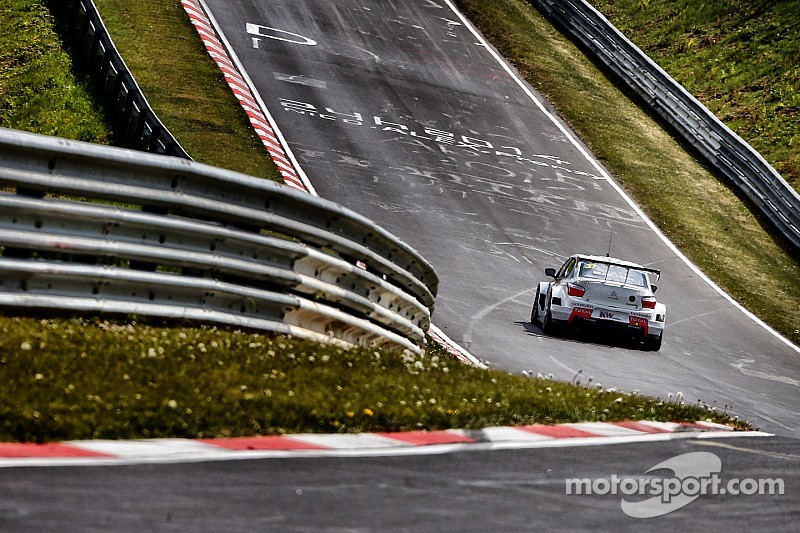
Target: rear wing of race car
[(623, 264)]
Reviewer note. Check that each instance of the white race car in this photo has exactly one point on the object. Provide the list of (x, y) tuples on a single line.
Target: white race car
[(601, 291)]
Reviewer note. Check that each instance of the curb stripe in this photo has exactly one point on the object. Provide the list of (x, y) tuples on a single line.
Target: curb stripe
[(516, 434), (640, 427), (426, 438), (344, 441), (603, 429), (558, 432), (240, 89), (25, 450), (667, 427), (268, 442), (147, 451), (142, 448)]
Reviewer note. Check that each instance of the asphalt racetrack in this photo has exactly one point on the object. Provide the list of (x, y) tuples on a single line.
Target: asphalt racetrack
[(500, 490), (400, 111)]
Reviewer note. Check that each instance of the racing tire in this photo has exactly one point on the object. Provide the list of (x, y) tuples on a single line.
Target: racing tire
[(535, 310), (652, 344), (548, 326)]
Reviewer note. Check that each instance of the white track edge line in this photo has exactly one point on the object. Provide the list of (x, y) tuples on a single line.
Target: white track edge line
[(259, 100)]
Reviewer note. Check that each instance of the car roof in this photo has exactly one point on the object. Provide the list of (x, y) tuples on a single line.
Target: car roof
[(615, 261)]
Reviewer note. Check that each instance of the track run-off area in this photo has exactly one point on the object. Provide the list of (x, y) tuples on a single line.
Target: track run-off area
[(404, 113)]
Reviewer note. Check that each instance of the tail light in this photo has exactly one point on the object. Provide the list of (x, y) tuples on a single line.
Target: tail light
[(575, 290), (648, 302)]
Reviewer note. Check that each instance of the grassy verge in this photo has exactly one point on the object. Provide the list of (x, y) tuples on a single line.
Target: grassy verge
[(82, 379), (184, 86), (38, 90), (707, 221), (749, 54)]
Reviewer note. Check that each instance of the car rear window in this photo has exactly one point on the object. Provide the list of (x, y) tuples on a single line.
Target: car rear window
[(594, 270), (613, 273)]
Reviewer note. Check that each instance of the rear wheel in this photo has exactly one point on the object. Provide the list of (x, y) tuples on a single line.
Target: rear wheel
[(548, 326), (653, 344), (535, 311)]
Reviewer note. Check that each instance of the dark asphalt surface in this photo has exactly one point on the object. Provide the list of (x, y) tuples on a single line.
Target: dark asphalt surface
[(396, 110), (520, 490)]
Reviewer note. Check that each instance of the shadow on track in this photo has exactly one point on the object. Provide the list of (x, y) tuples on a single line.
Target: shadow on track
[(592, 336)]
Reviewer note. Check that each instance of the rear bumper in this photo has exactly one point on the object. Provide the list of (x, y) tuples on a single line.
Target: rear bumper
[(639, 324)]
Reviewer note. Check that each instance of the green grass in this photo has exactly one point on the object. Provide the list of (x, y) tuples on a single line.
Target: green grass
[(87, 379), (699, 212), (38, 90), (184, 86), (748, 53)]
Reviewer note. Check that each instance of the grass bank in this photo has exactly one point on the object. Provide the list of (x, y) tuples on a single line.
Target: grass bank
[(86, 379), (39, 91), (709, 222), (749, 56), (184, 86)]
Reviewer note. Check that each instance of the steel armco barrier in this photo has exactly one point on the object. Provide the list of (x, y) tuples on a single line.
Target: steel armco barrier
[(90, 228), (724, 150), (135, 121)]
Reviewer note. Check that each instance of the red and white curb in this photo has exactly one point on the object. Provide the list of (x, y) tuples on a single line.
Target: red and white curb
[(453, 348), (112, 452), (242, 88)]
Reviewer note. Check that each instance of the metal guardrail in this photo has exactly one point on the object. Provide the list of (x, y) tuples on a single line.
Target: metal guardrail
[(724, 150), (135, 121), (97, 229)]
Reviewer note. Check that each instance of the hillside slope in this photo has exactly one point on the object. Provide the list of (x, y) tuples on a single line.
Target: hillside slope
[(741, 58)]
